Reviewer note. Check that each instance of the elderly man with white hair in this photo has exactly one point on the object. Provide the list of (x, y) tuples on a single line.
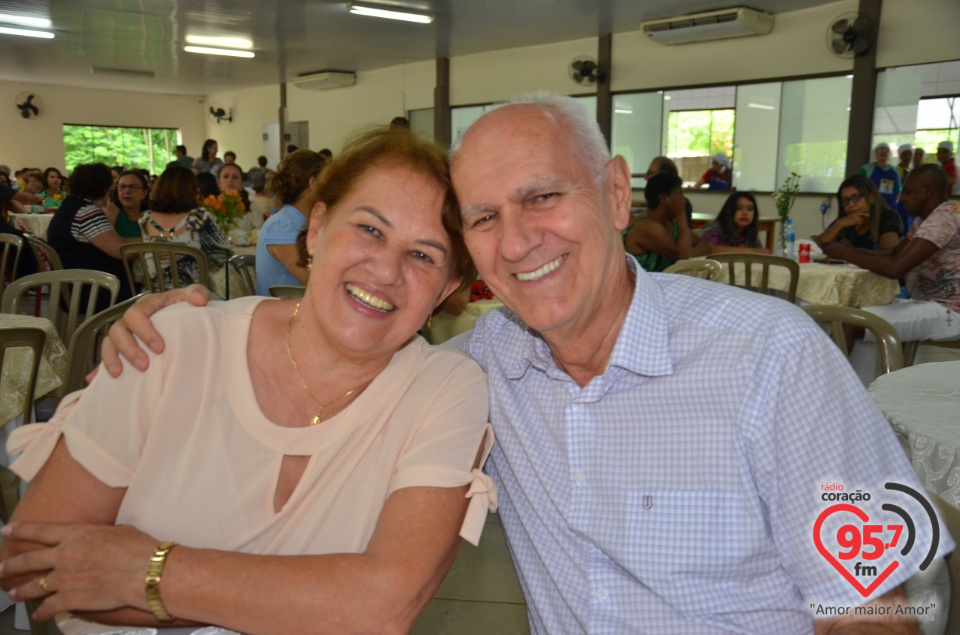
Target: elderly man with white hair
[(665, 444), (883, 175), (719, 176)]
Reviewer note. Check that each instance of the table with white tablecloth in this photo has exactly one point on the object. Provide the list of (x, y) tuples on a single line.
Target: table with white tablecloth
[(922, 404), (836, 284), (35, 224)]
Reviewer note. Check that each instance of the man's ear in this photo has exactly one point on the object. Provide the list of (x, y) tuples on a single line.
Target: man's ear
[(617, 174)]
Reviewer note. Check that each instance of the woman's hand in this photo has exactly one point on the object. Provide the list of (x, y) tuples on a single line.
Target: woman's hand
[(136, 321), (80, 567)]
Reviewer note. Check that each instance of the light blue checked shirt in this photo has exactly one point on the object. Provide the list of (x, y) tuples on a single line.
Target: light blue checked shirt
[(677, 492)]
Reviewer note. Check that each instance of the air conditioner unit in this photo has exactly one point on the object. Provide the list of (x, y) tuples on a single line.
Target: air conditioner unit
[(325, 79), (712, 25)]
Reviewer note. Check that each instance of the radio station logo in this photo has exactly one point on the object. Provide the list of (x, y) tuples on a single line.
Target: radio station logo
[(858, 548)]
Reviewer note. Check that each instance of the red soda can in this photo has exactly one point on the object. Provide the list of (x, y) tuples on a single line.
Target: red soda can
[(804, 251)]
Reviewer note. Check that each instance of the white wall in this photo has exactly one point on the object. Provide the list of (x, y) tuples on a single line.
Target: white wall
[(796, 46), (38, 142), (377, 97)]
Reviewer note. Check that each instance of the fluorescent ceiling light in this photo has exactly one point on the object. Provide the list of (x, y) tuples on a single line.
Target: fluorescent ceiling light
[(229, 42), (206, 50), (401, 13), (47, 35), (22, 20), (761, 106)]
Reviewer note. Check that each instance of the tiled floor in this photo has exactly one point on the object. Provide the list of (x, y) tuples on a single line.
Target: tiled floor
[(481, 594)]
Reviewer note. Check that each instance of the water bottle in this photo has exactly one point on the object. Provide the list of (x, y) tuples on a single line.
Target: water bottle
[(791, 240)]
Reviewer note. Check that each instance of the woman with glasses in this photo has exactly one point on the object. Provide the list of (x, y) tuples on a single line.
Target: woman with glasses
[(132, 200), (865, 220)]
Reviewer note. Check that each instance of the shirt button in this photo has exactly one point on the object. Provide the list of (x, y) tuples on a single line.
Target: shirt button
[(602, 594), (580, 477)]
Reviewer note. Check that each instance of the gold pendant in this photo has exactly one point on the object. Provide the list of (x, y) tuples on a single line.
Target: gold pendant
[(316, 419)]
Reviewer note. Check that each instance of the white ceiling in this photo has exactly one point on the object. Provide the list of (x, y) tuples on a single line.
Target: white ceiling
[(297, 36)]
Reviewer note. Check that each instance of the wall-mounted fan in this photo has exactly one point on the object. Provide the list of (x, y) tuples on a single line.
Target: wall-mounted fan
[(28, 105), (849, 35), (584, 70), (219, 114)]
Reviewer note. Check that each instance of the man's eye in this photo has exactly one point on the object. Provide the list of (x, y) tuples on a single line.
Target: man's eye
[(482, 220)]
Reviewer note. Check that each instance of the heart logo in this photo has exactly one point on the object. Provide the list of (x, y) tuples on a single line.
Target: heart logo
[(862, 515)]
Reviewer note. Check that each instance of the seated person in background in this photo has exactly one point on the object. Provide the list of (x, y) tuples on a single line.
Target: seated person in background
[(132, 201), (209, 186), (719, 176), (864, 219), (735, 228), (51, 194), (175, 216), (662, 164), (949, 165), (11, 199), (932, 247), (346, 526), (277, 254), (883, 175), (231, 179), (660, 236), (33, 183), (183, 158), (229, 157), (261, 205), (81, 232)]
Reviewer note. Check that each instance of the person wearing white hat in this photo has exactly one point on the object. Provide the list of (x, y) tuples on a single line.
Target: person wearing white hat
[(883, 175), (919, 154), (719, 176), (945, 157), (905, 154)]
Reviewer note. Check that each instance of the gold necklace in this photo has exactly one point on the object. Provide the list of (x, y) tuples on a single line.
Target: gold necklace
[(316, 418)]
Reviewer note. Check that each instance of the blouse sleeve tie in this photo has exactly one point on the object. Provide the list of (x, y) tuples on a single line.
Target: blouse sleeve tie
[(36, 442), (483, 497)]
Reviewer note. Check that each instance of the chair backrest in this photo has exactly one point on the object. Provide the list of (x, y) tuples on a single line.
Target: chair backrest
[(83, 352), (47, 257), (287, 291), (836, 317), (163, 257), (700, 268), (23, 387), (67, 287), (33, 338), (9, 257), (746, 263), (245, 269)]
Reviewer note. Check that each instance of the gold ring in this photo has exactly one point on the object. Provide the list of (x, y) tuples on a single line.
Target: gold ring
[(43, 584)]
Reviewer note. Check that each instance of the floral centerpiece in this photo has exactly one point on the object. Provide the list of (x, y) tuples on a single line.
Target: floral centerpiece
[(784, 198), (226, 209)]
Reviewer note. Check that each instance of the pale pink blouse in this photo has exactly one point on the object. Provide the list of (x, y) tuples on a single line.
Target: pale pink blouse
[(200, 461)]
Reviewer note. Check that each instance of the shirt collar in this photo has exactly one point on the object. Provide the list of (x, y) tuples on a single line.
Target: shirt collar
[(642, 346)]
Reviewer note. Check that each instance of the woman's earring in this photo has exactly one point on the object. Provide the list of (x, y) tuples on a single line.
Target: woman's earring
[(428, 322), (309, 261)]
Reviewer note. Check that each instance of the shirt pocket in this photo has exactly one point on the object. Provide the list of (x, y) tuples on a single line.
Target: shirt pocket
[(695, 549)]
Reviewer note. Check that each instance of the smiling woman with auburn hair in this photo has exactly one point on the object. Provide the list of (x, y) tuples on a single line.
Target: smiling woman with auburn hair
[(315, 459)]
